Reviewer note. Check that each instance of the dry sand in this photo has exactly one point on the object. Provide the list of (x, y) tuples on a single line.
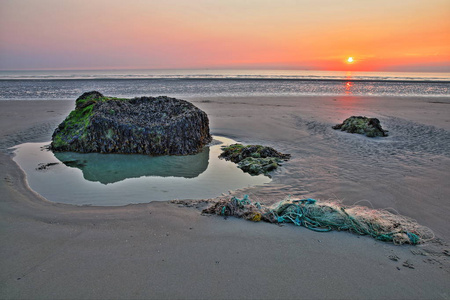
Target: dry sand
[(161, 250)]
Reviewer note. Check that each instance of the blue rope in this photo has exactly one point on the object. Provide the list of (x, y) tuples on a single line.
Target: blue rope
[(413, 238)]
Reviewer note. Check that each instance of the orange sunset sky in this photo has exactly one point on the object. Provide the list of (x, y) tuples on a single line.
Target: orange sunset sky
[(406, 35)]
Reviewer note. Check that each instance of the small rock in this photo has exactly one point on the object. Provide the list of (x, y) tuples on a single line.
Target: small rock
[(254, 159), (43, 166), (370, 127)]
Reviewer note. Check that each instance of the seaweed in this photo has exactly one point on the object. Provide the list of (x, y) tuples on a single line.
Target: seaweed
[(254, 159)]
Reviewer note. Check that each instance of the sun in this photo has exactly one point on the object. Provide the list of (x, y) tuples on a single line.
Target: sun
[(350, 60)]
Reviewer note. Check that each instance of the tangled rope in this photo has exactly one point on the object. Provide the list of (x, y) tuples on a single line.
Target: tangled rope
[(326, 216)]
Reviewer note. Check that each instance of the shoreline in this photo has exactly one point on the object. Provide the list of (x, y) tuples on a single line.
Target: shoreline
[(162, 250)]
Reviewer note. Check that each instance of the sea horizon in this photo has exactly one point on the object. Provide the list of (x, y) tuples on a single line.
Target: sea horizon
[(213, 73)]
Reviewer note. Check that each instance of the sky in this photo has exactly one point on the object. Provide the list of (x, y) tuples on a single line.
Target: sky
[(380, 35)]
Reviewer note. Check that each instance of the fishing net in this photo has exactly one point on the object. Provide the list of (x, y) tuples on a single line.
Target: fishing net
[(326, 216)]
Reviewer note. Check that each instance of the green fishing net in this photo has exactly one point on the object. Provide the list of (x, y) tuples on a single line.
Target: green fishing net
[(326, 216)]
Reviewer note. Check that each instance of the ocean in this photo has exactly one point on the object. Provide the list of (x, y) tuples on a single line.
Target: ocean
[(69, 84)]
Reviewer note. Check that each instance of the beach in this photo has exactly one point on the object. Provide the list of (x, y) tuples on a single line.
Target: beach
[(170, 250)]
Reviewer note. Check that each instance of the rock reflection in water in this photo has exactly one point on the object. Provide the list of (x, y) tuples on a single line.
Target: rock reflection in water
[(111, 168)]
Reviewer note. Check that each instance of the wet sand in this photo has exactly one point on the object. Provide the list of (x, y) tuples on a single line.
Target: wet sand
[(165, 250)]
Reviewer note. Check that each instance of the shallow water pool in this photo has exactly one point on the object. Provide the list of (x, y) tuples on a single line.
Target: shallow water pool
[(120, 179)]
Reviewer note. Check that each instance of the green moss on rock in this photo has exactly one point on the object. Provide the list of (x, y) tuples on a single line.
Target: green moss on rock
[(73, 129), (88, 99)]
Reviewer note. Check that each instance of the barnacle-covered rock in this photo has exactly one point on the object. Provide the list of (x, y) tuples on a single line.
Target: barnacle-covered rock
[(370, 127), (145, 125)]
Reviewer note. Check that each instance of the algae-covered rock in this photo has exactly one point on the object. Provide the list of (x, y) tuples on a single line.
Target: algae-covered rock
[(254, 159), (256, 166), (145, 125), (370, 127)]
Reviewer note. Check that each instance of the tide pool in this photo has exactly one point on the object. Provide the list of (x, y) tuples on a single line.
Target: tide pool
[(120, 179)]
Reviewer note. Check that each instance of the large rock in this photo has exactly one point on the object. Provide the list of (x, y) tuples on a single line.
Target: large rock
[(146, 125), (370, 127)]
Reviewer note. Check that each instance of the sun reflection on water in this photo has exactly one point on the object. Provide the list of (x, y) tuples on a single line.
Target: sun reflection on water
[(348, 87)]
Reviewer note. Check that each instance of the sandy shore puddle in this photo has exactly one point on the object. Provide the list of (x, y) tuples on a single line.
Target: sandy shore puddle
[(120, 179)]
